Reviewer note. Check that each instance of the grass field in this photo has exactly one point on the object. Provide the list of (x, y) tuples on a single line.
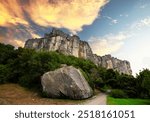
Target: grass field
[(118, 101)]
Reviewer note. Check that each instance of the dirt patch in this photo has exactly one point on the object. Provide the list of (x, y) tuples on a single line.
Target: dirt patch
[(13, 94)]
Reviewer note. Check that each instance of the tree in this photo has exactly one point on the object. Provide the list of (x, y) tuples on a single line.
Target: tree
[(143, 83), (6, 53), (4, 73)]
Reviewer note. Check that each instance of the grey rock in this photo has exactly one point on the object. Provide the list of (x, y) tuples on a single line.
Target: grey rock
[(59, 41), (66, 82), (113, 63)]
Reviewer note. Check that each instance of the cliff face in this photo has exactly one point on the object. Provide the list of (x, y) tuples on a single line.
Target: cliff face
[(61, 42), (72, 45), (122, 66)]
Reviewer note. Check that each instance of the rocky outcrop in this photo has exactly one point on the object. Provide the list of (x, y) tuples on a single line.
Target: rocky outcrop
[(66, 82), (61, 42), (72, 45), (109, 62)]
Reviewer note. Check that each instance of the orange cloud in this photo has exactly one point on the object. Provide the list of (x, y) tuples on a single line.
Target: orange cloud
[(17, 36), (11, 13), (70, 14), (15, 16), (17, 43), (13, 41)]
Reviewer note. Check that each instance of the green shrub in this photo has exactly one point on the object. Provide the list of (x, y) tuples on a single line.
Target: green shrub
[(86, 76), (131, 93), (25, 81), (118, 93), (4, 73), (106, 89)]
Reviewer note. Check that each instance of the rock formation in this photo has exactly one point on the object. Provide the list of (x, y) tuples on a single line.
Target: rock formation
[(66, 82), (109, 62), (61, 42), (72, 45)]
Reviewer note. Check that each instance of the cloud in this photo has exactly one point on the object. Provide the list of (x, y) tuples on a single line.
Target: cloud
[(107, 44), (70, 14), (17, 35), (141, 23), (113, 21), (11, 40), (143, 6), (146, 62), (11, 13), (18, 16), (124, 15), (17, 43)]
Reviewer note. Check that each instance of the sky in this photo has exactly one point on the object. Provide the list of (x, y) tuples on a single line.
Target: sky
[(117, 27)]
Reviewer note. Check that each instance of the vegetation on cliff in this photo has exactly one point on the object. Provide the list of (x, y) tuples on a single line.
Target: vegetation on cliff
[(26, 66)]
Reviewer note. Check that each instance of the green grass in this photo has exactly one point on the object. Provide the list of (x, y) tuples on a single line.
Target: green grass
[(128, 101)]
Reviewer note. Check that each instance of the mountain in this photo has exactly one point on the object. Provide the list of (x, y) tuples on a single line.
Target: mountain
[(61, 42)]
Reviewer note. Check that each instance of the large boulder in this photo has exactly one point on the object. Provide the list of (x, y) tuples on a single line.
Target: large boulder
[(66, 82)]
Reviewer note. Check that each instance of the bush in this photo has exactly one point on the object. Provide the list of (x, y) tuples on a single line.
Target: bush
[(131, 93), (86, 76), (4, 73), (106, 89), (118, 93)]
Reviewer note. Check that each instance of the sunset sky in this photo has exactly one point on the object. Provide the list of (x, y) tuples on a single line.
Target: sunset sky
[(117, 27)]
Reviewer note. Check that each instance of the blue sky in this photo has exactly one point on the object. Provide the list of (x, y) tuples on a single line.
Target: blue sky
[(117, 27), (129, 19)]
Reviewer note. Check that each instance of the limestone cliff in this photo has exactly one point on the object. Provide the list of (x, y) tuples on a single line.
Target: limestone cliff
[(109, 62), (72, 45)]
